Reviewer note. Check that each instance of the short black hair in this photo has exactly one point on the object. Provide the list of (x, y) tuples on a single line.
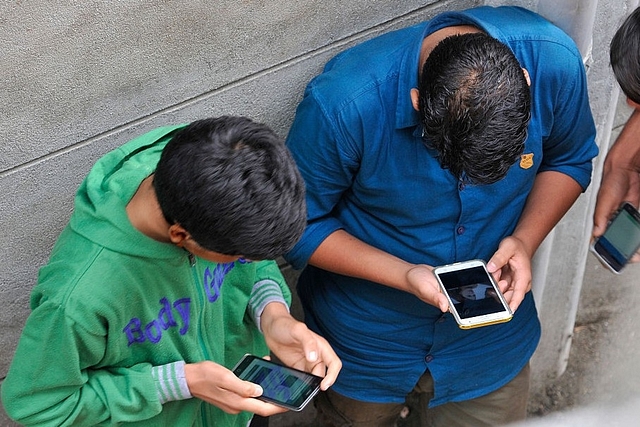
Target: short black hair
[(624, 56), (475, 106), (233, 185)]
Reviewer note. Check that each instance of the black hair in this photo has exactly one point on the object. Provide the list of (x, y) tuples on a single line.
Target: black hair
[(624, 56), (475, 106), (233, 185)]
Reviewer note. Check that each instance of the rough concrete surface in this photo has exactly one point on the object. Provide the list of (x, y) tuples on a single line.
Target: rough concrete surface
[(602, 367)]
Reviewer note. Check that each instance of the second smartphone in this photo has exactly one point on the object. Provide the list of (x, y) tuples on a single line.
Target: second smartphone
[(474, 297), (281, 385)]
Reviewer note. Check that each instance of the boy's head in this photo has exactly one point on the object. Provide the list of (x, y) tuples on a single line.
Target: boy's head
[(233, 186), (475, 106), (624, 55)]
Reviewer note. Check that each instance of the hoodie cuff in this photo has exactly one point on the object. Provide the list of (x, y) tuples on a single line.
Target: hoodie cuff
[(171, 383), (264, 292)]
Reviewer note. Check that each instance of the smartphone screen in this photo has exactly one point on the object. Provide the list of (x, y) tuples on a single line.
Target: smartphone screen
[(281, 385), (620, 240), (474, 297)]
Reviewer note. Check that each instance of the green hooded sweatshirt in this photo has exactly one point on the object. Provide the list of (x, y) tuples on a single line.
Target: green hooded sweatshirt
[(116, 314)]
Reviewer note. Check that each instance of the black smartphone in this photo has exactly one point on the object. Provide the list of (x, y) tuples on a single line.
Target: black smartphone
[(281, 385), (620, 240), (474, 297)]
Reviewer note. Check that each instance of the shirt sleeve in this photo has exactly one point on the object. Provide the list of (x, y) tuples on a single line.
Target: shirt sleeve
[(561, 98), (328, 163)]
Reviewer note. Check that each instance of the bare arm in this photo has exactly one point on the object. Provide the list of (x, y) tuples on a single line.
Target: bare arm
[(342, 253), (552, 195), (620, 175)]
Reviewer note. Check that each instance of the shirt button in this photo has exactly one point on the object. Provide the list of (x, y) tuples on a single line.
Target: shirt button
[(428, 358), (461, 186), (460, 230)]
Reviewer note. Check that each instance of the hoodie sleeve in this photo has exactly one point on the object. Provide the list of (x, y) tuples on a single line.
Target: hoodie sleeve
[(270, 286), (76, 392), (171, 382)]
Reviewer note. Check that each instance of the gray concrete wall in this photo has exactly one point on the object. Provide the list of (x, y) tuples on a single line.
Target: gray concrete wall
[(80, 78)]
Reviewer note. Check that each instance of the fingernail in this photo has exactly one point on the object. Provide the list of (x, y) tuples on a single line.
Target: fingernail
[(258, 391), (313, 356)]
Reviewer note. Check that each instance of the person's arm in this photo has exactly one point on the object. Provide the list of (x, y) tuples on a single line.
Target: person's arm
[(620, 175), (328, 157), (219, 386), (289, 339), (53, 381), (342, 253), (552, 195), (297, 346)]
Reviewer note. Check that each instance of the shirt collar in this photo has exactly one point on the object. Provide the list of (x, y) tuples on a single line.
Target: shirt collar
[(406, 116)]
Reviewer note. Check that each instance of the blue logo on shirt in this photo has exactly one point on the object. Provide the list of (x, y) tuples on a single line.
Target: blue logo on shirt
[(176, 314)]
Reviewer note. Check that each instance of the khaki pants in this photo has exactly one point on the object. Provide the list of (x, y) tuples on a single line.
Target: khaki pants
[(503, 406)]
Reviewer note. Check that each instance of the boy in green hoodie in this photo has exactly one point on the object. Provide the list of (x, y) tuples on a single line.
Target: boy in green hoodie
[(161, 282)]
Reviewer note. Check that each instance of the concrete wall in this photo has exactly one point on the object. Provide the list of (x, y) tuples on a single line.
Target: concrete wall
[(80, 78)]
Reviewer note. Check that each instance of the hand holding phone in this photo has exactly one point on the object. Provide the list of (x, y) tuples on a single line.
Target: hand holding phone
[(286, 387), (620, 240), (474, 297)]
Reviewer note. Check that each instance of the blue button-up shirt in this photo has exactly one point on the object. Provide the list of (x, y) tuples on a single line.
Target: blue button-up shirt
[(357, 141)]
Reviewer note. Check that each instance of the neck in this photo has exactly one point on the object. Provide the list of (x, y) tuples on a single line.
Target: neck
[(145, 214), (432, 40)]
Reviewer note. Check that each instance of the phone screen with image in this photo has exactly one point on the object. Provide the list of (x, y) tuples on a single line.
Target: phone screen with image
[(281, 385), (474, 297)]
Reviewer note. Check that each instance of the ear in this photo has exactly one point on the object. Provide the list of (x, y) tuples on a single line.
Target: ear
[(178, 235), (526, 76), (415, 99)]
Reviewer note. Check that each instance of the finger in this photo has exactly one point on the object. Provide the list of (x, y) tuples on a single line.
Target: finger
[(500, 258), (503, 285), (308, 341), (264, 409), (497, 275), (517, 296), (612, 192), (442, 302), (605, 206), (333, 367), (247, 389)]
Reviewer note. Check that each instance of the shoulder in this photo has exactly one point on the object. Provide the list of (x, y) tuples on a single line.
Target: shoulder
[(366, 68)]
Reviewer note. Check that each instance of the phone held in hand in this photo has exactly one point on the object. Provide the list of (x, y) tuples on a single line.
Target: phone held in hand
[(620, 240), (474, 297), (281, 385)]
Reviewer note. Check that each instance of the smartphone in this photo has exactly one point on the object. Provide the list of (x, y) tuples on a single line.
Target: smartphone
[(281, 385), (474, 297), (620, 240)]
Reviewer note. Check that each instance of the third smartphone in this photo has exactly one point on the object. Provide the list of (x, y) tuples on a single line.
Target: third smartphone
[(620, 240)]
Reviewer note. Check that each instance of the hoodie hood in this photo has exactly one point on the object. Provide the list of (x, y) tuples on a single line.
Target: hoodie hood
[(100, 203)]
